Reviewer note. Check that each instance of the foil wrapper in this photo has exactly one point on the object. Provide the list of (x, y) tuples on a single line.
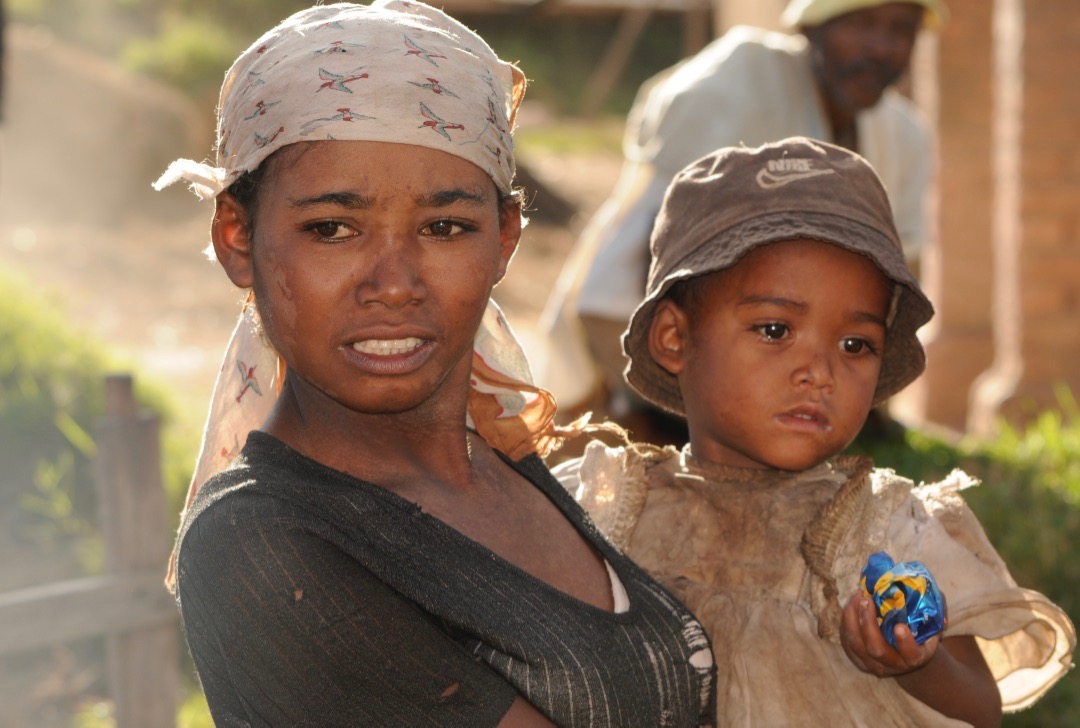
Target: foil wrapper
[(903, 593)]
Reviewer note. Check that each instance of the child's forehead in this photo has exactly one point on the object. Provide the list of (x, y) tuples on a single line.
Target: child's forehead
[(778, 251), (799, 260)]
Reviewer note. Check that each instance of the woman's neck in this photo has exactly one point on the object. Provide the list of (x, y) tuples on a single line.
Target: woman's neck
[(430, 442)]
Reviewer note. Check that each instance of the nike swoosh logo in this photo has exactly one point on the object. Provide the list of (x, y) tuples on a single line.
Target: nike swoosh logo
[(769, 181)]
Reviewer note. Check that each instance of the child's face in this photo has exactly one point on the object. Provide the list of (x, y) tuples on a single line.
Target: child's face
[(778, 359), (372, 264)]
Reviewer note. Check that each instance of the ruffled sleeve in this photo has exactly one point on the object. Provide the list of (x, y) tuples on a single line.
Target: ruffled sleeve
[(1026, 639), (611, 484)]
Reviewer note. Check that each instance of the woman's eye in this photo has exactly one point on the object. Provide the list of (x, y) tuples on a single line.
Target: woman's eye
[(331, 230), (444, 228), (773, 331)]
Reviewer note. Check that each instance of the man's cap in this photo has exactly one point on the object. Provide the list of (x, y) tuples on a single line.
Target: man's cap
[(807, 13), (736, 199)]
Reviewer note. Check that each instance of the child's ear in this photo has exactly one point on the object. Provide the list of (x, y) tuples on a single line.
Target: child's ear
[(668, 336), (231, 233)]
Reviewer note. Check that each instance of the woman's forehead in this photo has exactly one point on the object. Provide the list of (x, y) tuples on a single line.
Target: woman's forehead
[(374, 164)]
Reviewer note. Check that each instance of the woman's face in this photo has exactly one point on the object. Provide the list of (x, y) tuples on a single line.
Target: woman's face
[(372, 264)]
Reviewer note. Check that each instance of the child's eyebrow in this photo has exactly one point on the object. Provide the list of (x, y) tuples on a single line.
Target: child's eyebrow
[(774, 301), (800, 307), (867, 317), (356, 201)]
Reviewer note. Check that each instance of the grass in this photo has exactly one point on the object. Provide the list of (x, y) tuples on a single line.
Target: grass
[(572, 137)]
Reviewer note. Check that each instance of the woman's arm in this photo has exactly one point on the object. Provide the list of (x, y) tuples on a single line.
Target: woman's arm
[(523, 715), (287, 629)]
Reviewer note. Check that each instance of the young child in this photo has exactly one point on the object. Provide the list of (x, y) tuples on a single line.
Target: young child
[(779, 311)]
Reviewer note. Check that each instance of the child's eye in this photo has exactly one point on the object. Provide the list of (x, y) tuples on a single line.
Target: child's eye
[(445, 229), (330, 229), (855, 345), (772, 331)]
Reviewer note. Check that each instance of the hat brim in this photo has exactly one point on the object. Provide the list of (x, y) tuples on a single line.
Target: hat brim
[(903, 359)]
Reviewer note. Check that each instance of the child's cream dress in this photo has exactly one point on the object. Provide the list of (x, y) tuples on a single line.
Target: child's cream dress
[(766, 558)]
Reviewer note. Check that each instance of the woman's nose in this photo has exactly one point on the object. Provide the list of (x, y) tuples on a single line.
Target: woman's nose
[(392, 273)]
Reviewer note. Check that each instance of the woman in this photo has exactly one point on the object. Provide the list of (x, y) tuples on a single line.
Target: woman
[(388, 548)]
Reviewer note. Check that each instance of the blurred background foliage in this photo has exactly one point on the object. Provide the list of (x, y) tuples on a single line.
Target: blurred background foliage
[(191, 43), (51, 375)]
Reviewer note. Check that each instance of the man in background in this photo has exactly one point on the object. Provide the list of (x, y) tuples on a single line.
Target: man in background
[(831, 79)]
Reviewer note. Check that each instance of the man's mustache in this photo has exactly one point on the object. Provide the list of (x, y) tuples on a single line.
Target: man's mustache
[(887, 72)]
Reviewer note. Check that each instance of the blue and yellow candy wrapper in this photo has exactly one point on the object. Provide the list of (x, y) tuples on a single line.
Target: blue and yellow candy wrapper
[(903, 593)]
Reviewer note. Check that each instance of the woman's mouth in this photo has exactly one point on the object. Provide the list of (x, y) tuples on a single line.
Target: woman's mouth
[(388, 347)]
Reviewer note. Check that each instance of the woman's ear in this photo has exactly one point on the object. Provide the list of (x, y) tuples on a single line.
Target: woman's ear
[(509, 234), (231, 233), (669, 336)]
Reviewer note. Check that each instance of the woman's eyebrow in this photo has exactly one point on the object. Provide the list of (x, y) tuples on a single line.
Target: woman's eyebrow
[(349, 200), (444, 198), (356, 201)]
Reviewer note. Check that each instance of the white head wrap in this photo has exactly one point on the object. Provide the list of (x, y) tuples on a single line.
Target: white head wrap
[(807, 13), (392, 71)]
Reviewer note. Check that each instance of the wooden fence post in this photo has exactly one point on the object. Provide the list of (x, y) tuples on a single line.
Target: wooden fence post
[(143, 663)]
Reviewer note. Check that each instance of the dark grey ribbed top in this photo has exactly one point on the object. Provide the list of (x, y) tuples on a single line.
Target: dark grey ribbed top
[(312, 598)]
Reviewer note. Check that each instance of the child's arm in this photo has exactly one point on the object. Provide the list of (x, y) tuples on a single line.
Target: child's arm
[(954, 680)]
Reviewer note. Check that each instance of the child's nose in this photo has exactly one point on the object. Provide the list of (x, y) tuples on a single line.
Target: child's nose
[(816, 371)]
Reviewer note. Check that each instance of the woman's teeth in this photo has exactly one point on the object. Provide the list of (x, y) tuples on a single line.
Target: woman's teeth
[(387, 347)]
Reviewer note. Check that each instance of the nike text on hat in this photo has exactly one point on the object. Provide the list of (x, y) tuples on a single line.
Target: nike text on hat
[(727, 203)]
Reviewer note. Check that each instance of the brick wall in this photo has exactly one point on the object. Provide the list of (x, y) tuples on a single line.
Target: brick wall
[(1037, 240), (958, 269)]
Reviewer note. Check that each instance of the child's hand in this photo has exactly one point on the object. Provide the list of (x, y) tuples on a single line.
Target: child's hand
[(867, 649)]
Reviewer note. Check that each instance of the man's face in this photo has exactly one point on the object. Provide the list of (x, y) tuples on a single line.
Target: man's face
[(857, 55)]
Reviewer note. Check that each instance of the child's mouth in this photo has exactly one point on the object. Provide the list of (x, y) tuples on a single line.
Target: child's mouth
[(807, 420)]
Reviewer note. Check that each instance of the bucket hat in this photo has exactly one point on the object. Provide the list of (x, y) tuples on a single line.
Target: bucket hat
[(736, 199)]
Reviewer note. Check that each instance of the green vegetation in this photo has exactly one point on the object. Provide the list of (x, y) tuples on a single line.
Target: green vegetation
[(191, 43), (570, 136), (51, 391), (51, 394)]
